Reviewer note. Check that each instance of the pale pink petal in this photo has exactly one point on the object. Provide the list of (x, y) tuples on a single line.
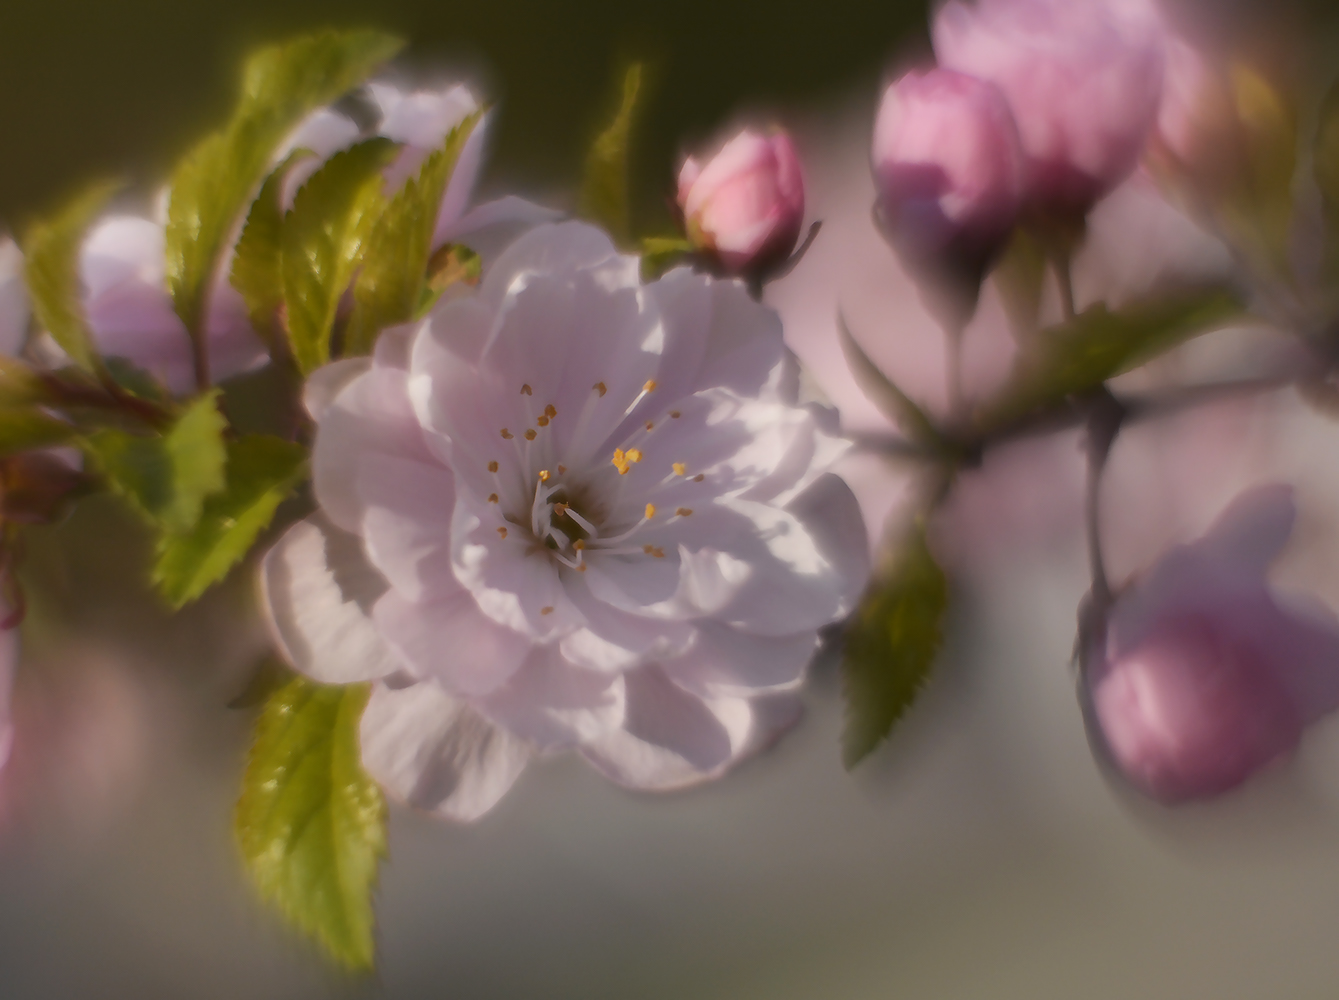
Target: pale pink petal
[(318, 591), (726, 662), (436, 753), (556, 705)]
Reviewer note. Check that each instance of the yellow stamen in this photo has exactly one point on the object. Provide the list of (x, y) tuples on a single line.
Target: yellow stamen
[(680, 468), (562, 469), (579, 544), (650, 511), (542, 420), (543, 475), (492, 467), (550, 411), (699, 477), (530, 434), (502, 532), (492, 498), (650, 385), (684, 511), (560, 509), (649, 425), (653, 550), (634, 455), (526, 391), (546, 611), (506, 434), (620, 462), (675, 414), (601, 388)]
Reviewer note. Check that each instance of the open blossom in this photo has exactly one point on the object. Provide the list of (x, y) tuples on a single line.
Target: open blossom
[(948, 167), (1208, 677), (747, 204), (1083, 77), (122, 260), (572, 511)]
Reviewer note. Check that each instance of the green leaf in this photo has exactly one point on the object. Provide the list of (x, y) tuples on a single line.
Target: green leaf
[(323, 238), (215, 181), (256, 263), (891, 401), (391, 285), (891, 645), (166, 478), (604, 188), (1077, 357), (24, 428), (262, 472), (310, 823), (51, 268)]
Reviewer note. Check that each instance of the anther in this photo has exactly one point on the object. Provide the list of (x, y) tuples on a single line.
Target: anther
[(650, 385), (526, 390), (683, 511), (680, 469), (634, 455), (546, 611), (562, 469), (550, 411), (601, 388), (650, 425), (530, 434), (675, 414), (542, 420), (492, 498), (507, 435), (654, 550), (543, 475), (699, 477), (650, 511), (579, 545), (492, 467), (502, 532)]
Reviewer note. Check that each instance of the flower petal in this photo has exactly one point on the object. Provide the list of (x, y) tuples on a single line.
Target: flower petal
[(726, 662), (406, 526), (317, 590), (450, 640), (14, 308), (555, 704), (670, 738), (436, 753)]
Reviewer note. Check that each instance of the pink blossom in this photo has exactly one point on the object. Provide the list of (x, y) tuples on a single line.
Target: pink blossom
[(569, 511), (1084, 81), (1208, 676), (948, 167), (746, 205)]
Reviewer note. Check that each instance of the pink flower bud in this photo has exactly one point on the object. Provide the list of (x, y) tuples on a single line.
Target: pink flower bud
[(1207, 677), (948, 166), (747, 204), (1083, 78)]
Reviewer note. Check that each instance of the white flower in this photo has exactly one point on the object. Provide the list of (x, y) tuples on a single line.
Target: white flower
[(575, 511)]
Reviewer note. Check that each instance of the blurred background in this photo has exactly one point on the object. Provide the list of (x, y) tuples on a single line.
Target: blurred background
[(981, 854)]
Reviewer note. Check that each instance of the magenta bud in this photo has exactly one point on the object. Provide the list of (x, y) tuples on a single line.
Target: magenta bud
[(1207, 678), (1084, 80), (948, 168), (745, 207)]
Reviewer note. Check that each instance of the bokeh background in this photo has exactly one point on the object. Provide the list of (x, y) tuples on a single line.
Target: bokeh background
[(981, 854)]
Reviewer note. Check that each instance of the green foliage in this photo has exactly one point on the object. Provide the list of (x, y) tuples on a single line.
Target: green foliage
[(262, 471), (891, 644), (660, 253), (1269, 129), (323, 237), (255, 266), (1325, 161), (51, 268), (1077, 357), (1019, 276), (215, 181), (391, 286), (24, 428), (166, 478), (310, 823), (891, 401), (604, 188)]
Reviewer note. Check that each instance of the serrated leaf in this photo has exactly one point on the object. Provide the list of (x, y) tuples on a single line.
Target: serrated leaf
[(890, 646), (262, 471), (256, 261), (214, 182), (884, 393), (323, 238), (1078, 356), (166, 478), (391, 286), (22, 429), (604, 188), (310, 823), (51, 269)]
